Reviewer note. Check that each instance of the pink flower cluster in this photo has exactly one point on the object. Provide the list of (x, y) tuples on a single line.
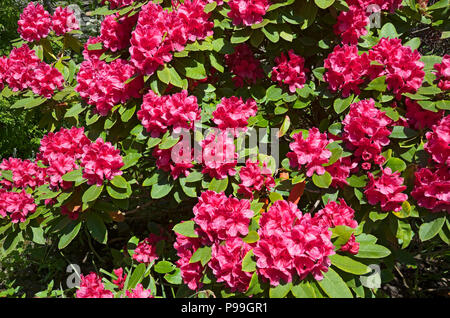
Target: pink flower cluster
[(115, 31), (182, 164), (431, 188), (159, 33), (400, 64), (334, 214), (233, 112), (220, 217), (104, 85), (443, 73), (290, 72), (35, 23), (438, 142), (24, 173), (93, 54), (121, 278), (219, 157), (310, 152), (247, 12), (221, 221), (60, 151), (255, 178), (420, 118), (16, 205), (139, 292), (386, 189), (385, 5), (351, 25), (346, 69), (246, 69), (291, 243), (91, 286), (178, 111), (226, 264), (145, 251), (100, 161), (365, 130), (23, 70), (64, 21), (340, 171)]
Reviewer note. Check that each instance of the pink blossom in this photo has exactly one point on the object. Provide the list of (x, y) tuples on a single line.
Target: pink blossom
[(3, 71), (182, 164), (34, 23), (21, 64), (24, 173), (247, 12), (220, 217), (91, 286), (178, 111), (340, 171), (346, 69), (291, 243), (190, 17), (104, 85), (190, 272), (420, 118), (46, 80), (438, 141), (310, 152), (145, 251), (226, 264), (255, 178), (101, 161), (139, 292), (431, 188), (121, 278), (386, 189), (443, 73), (290, 72), (401, 66), (115, 31), (351, 25), (64, 21), (16, 205), (90, 54), (219, 157), (365, 130), (246, 69), (233, 112)]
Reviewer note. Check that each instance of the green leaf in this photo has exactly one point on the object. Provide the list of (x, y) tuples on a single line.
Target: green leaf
[(334, 286), (164, 267), (74, 111), (396, 164), (370, 250), (120, 182), (202, 254), (251, 237), (388, 31), (69, 233), (323, 4), (273, 93), (218, 185), (92, 193), (340, 105), (168, 142), (73, 176), (303, 290), (378, 84), (130, 160), (431, 228), (254, 287), (248, 264), (400, 132), (323, 181), (96, 227), (175, 277), (280, 291), (349, 265), (137, 276), (275, 196), (186, 229), (38, 235), (357, 182), (161, 188), (8, 175), (30, 102)]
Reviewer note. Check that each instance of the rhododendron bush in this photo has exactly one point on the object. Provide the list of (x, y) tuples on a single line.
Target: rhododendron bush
[(258, 148)]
